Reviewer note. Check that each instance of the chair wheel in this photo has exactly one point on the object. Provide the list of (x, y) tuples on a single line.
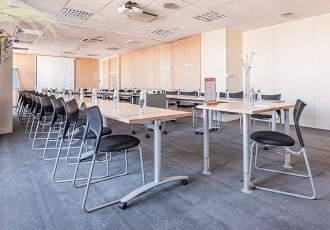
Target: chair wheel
[(196, 132), (165, 131), (184, 182), (266, 147), (123, 205), (147, 135), (133, 132), (201, 133)]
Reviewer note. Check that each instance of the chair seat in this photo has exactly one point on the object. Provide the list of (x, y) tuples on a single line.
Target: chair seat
[(81, 122), (185, 105), (117, 143), (272, 138), (262, 116), (91, 135)]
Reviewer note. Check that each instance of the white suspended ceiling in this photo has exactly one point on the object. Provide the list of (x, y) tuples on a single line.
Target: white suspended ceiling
[(114, 30)]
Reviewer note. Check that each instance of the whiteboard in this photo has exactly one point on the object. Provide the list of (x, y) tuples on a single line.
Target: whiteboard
[(55, 72)]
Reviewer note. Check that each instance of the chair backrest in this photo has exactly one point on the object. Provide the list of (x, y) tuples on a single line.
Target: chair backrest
[(232, 95), (188, 93), (156, 100), (46, 106), (71, 115), (271, 97), (95, 124), (298, 108), (172, 92), (58, 109)]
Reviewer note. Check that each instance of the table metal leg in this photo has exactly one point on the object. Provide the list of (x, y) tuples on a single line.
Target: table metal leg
[(246, 172), (157, 149), (158, 180), (287, 131), (206, 170), (105, 121), (273, 120)]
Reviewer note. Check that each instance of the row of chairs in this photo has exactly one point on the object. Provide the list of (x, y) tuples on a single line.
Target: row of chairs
[(48, 120)]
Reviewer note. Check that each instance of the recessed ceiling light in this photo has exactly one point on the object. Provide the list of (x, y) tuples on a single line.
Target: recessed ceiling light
[(210, 17), (170, 5), (162, 32), (133, 42), (77, 14)]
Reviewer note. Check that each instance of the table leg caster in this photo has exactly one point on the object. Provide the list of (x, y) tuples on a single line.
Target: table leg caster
[(133, 132), (123, 205), (147, 135), (184, 182), (266, 147)]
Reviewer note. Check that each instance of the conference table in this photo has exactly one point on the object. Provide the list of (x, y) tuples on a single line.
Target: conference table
[(246, 109), (130, 114)]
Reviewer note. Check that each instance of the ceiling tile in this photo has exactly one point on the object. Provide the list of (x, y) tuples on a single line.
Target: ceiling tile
[(84, 6), (212, 5)]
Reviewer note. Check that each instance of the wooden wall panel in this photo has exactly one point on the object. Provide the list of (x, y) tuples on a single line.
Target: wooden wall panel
[(87, 73), (26, 67), (105, 74), (169, 66)]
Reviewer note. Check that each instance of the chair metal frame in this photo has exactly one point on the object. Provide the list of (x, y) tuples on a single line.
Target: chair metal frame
[(300, 105), (96, 127)]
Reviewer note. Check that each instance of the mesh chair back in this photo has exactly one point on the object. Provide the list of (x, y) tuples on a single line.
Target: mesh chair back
[(95, 124), (71, 115), (271, 97), (58, 109), (52, 97), (232, 95), (188, 93), (298, 108), (175, 92)]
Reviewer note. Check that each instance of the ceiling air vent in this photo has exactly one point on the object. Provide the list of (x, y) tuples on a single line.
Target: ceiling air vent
[(76, 14), (92, 55), (133, 42), (66, 53), (93, 40), (162, 32), (19, 48), (113, 48), (210, 17)]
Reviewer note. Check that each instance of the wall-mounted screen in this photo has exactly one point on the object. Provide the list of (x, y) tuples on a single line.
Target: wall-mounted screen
[(55, 72)]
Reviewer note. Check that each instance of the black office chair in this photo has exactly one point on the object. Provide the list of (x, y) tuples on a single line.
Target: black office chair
[(231, 95), (268, 117), (106, 144), (285, 141), (171, 92), (73, 121), (186, 105)]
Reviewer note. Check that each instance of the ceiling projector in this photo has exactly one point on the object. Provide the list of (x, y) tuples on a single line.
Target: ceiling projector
[(130, 10)]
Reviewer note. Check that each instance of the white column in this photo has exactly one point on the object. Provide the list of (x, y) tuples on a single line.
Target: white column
[(6, 93)]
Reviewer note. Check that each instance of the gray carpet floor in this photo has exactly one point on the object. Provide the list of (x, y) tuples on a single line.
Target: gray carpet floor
[(31, 200)]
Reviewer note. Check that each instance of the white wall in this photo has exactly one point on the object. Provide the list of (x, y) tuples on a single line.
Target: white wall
[(293, 59), (221, 53), (213, 58)]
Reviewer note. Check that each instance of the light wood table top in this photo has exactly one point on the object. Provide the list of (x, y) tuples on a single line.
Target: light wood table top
[(130, 113), (243, 106)]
